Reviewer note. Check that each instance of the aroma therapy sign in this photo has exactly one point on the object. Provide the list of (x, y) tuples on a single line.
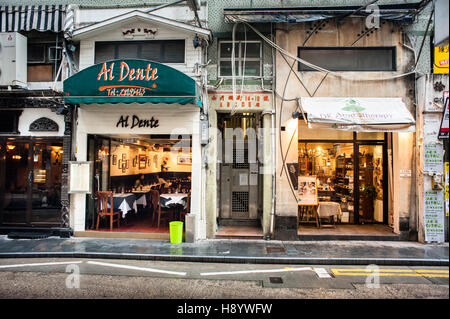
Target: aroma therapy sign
[(359, 113), (130, 81)]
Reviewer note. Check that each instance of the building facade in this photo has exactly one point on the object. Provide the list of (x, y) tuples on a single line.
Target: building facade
[(272, 119)]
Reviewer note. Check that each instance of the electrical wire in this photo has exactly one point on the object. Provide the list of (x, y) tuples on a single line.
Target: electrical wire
[(318, 68)]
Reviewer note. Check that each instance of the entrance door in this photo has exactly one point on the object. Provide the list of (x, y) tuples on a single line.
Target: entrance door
[(99, 152), (239, 167), (370, 178), (30, 183), (16, 176)]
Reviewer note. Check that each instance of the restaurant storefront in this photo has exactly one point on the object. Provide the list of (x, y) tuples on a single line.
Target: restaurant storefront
[(345, 148), (32, 145), (141, 135)]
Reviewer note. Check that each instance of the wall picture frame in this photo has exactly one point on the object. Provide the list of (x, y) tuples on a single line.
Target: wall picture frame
[(184, 160), (142, 161)]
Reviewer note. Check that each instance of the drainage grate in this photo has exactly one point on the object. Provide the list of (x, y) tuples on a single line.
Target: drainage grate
[(275, 250), (28, 235), (239, 202)]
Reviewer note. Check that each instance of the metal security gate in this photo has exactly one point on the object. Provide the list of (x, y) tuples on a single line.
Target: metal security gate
[(239, 178)]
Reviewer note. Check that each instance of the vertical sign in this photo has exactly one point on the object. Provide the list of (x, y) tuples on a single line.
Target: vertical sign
[(433, 158), (444, 130), (446, 182), (434, 216), (307, 191)]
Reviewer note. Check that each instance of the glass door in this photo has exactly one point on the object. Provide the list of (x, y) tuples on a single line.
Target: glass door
[(30, 182), (15, 182), (370, 178), (46, 182), (98, 152)]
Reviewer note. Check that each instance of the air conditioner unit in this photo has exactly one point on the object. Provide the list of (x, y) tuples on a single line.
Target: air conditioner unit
[(13, 59)]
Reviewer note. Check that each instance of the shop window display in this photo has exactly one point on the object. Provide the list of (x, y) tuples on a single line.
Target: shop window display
[(338, 176)]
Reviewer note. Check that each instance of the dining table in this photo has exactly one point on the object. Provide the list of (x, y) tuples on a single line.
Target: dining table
[(141, 196), (329, 209), (124, 202), (171, 200)]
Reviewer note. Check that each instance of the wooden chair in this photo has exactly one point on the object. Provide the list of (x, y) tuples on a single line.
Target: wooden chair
[(103, 210), (158, 209)]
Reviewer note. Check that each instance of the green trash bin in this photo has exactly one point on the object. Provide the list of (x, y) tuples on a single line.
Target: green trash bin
[(176, 232)]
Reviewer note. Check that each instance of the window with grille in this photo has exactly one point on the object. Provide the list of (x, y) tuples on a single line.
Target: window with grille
[(248, 58), (162, 51)]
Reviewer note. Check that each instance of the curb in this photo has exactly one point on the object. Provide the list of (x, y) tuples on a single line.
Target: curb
[(236, 259)]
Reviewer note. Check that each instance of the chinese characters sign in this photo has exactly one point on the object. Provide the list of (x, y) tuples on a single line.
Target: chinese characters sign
[(441, 56), (433, 158), (228, 101), (434, 216)]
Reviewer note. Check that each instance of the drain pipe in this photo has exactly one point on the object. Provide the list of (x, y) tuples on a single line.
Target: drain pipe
[(272, 211)]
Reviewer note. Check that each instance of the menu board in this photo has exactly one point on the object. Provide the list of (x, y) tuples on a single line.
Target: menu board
[(80, 177), (434, 216), (307, 191)]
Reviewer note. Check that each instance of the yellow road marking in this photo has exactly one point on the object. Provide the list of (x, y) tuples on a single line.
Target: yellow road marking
[(435, 271), (391, 272), (373, 270)]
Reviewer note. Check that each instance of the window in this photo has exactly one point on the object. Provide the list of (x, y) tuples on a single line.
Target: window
[(363, 59), (9, 122), (248, 58), (162, 51), (43, 61)]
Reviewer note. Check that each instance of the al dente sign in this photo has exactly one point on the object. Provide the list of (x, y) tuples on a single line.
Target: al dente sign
[(130, 81), (129, 74)]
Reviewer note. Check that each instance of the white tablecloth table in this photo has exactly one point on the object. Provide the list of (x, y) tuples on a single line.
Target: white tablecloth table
[(141, 197), (174, 198), (327, 209), (123, 203)]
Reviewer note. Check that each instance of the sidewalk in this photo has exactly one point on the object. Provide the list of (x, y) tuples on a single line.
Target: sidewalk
[(233, 251)]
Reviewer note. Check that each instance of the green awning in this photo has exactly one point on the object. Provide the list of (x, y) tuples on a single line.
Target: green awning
[(131, 81)]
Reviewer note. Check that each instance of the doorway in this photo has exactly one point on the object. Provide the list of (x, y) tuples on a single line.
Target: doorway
[(240, 182), (30, 182)]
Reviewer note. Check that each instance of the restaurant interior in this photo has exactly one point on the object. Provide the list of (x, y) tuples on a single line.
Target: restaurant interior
[(146, 177)]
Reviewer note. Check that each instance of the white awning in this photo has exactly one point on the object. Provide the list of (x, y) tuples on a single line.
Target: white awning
[(358, 114)]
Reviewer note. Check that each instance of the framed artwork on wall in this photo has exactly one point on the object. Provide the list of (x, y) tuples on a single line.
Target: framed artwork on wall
[(142, 161), (184, 160)]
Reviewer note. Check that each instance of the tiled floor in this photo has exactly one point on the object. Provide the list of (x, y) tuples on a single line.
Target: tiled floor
[(368, 229)]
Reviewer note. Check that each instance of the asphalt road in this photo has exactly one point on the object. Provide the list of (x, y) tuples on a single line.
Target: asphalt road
[(124, 279)]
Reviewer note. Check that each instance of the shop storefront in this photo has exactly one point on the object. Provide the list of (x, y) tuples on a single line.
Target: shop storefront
[(31, 180), (345, 169), (140, 133)]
